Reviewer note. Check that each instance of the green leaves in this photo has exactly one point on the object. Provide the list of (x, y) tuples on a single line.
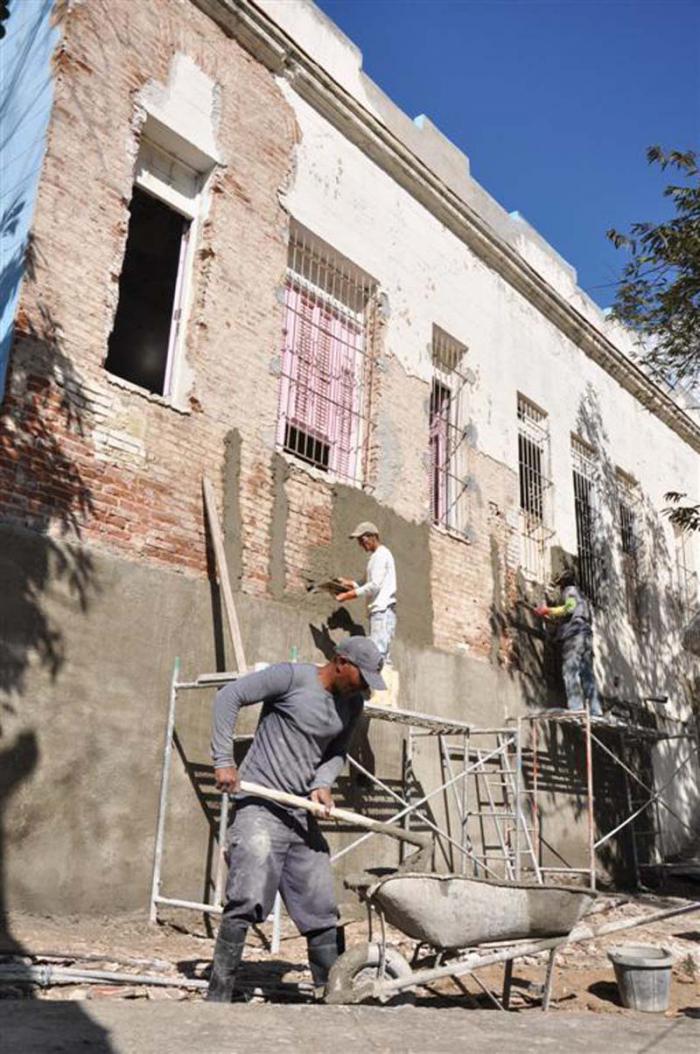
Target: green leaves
[(658, 295), (687, 517)]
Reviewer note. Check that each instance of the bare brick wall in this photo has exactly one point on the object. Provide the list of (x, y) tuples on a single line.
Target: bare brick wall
[(87, 456), (83, 453), (470, 580)]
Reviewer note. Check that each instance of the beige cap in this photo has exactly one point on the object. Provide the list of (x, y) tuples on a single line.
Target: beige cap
[(366, 527)]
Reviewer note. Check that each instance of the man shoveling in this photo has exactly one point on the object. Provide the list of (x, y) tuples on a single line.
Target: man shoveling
[(299, 747)]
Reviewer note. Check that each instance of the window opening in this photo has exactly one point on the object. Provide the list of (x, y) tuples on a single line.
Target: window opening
[(534, 485), (628, 526), (685, 569), (148, 311), (449, 450), (325, 382), (584, 482)]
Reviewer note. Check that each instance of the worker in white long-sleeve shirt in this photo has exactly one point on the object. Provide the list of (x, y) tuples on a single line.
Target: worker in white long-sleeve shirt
[(379, 587)]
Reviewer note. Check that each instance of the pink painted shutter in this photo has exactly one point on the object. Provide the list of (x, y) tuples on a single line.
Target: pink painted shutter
[(319, 385), (322, 416), (288, 363), (297, 362), (344, 430), (303, 402)]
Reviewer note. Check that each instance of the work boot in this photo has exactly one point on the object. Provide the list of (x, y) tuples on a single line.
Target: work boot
[(323, 951), (228, 952)]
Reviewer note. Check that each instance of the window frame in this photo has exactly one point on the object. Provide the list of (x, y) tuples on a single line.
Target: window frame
[(627, 499), (585, 464), (180, 187), (686, 572), (535, 529), (449, 480), (345, 299)]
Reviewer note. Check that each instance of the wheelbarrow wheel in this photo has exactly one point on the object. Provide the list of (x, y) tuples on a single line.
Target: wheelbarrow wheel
[(352, 976)]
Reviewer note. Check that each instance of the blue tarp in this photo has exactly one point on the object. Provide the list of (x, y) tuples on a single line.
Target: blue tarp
[(26, 96)]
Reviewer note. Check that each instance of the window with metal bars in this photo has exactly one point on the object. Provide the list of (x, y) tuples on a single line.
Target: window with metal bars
[(685, 569), (326, 367), (534, 483), (584, 481), (627, 502), (449, 468)]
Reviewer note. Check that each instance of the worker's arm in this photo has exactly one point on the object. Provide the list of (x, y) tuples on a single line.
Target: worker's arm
[(373, 583), (559, 612), (333, 761), (251, 688)]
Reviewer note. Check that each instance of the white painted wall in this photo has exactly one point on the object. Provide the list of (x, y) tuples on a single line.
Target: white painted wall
[(430, 277)]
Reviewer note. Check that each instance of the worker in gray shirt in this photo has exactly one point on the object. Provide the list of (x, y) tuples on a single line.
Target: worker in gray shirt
[(300, 747)]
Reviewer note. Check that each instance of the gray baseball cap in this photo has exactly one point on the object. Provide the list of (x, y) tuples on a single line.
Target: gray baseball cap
[(366, 527), (364, 653)]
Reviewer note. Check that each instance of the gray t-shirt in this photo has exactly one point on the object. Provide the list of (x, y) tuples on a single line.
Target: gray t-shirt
[(579, 621), (302, 737)]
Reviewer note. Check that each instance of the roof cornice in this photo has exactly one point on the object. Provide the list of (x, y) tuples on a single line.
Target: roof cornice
[(261, 36)]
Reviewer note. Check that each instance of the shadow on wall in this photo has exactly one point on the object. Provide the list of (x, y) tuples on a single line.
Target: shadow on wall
[(45, 501), (639, 655), (40, 484), (45, 488), (25, 106), (343, 623)]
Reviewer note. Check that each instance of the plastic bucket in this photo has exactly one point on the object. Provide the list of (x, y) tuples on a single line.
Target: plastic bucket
[(643, 975)]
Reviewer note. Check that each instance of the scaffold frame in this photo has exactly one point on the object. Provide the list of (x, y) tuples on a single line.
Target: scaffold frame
[(591, 727), (514, 838)]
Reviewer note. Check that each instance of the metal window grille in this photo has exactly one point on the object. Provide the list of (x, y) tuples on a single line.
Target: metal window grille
[(584, 479), (533, 463), (685, 565), (449, 451), (327, 360), (629, 541)]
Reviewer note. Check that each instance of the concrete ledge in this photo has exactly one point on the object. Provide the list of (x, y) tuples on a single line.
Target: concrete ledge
[(129, 1027)]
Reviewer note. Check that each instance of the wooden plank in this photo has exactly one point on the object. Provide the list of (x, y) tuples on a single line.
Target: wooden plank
[(223, 575)]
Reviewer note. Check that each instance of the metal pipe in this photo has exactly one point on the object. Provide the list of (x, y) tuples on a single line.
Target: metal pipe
[(426, 820), (518, 802), (221, 861), (196, 905), (45, 976), (163, 797), (654, 795), (589, 785), (476, 960), (276, 939), (411, 808)]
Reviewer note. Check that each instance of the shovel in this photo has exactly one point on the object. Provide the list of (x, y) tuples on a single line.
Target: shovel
[(418, 861)]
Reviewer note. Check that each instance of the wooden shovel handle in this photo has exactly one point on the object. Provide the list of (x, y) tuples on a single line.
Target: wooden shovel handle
[(339, 815)]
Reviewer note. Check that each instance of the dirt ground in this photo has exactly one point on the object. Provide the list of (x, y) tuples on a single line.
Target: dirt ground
[(180, 946)]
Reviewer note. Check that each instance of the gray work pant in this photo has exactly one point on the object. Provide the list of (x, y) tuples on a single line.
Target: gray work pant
[(382, 627), (271, 849), (577, 671)]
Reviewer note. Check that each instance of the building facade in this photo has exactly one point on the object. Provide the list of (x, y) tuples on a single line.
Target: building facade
[(248, 264)]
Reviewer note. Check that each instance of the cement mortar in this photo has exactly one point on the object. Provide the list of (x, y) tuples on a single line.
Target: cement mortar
[(88, 665)]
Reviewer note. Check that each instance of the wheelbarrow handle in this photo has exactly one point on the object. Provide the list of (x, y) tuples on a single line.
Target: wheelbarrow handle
[(423, 841)]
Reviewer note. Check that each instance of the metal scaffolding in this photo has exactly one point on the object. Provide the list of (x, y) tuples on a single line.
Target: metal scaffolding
[(643, 800), (491, 783), (484, 829)]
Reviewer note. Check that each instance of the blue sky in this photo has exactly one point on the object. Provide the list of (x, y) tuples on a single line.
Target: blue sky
[(553, 101)]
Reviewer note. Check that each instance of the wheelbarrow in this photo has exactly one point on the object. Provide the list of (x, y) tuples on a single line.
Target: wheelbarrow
[(459, 923)]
